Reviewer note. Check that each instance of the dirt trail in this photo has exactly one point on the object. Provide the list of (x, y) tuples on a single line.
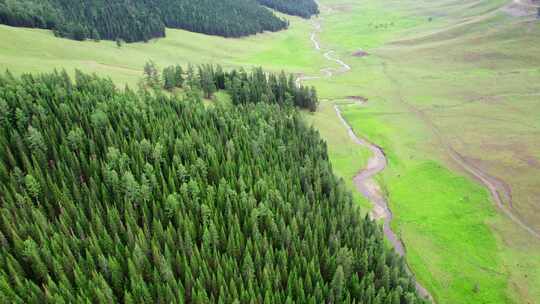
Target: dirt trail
[(363, 181), (521, 8), (498, 189)]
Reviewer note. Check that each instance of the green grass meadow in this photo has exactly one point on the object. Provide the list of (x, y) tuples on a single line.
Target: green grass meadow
[(466, 65), (467, 75), (30, 50)]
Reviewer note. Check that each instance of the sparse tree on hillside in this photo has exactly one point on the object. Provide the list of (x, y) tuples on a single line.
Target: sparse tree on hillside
[(169, 78), (151, 75), (178, 76), (207, 84)]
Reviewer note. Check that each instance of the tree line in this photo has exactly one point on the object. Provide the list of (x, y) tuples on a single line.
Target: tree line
[(141, 20), (129, 20), (302, 8), (117, 196), (243, 87)]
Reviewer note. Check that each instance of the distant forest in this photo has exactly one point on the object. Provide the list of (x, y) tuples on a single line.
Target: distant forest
[(141, 20), (117, 196), (302, 8)]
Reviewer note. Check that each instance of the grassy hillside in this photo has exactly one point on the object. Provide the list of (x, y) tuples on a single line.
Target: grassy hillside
[(39, 51), (468, 69), (471, 72)]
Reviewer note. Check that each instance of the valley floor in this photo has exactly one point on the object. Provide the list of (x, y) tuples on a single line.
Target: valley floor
[(451, 125), (438, 77)]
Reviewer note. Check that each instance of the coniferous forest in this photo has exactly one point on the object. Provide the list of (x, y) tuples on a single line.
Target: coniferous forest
[(243, 87), (117, 196), (141, 20), (302, 8)]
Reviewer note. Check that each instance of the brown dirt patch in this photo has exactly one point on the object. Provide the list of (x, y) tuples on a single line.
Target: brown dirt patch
[(520, 152), (344, 8), (521, 8), (492, 56), (360, 53), (487, 99), (360, 99)]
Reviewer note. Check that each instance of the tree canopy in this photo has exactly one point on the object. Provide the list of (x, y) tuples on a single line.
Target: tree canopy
[(243, 87), (140, 20), (302, 8), (116, 196)]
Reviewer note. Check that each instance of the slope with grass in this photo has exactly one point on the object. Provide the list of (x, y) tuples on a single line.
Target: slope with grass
[(469, 66), (364, 180), (31, 50), (461, 245)]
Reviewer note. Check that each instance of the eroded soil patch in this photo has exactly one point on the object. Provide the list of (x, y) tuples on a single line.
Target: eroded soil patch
[(360, 53)]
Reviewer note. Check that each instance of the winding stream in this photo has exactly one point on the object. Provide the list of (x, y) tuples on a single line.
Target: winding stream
[(363, 181)]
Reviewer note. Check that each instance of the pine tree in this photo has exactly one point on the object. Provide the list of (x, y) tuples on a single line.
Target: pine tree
[(151, 75), (337, 284), (32, 186)]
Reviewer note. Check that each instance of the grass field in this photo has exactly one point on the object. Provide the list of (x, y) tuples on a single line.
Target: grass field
[(30, 50), (469, 67), (472, 72)]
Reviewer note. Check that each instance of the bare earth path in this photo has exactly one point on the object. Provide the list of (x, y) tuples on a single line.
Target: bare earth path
[(363, 181), (498, 189), (521, 8)]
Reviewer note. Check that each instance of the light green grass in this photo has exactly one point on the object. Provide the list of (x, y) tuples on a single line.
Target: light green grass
[(458, 71), (30, 50), (370, 27), (469, 69), (447, 217), (443, 219)]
